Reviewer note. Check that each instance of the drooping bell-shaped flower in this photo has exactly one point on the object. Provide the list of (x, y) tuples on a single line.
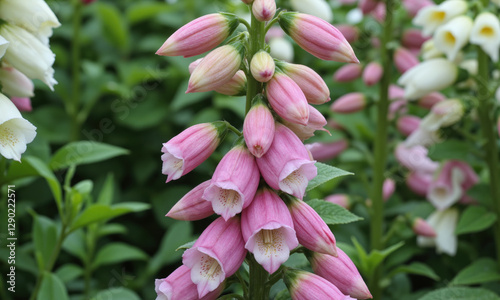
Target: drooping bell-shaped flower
[(306, 286), (190, 148), (311, 84), (486, 33), (407, 124), (258, 128), (216, 255), (415, 159), (35, 15), (422, 228), (23, 104), (444, 223), (200, 35), (267, 229), (234, 182), (453, 36), (443, 114), (433, 16), (419, 183), (286, 165), (316, 122), (317, 37), (327, 151), (339, 199), (192, 206)]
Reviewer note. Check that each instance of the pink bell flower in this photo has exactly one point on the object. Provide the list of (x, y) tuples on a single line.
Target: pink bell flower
[(316, 122), (407, 124), (234, 182), (415, 159), (311, 84), (422, 228), (236, 86), (373, 73), (216, 255), (419, 183), (286, 165), (306, 286), (404, 60), (349, 103), (339, 199), (327, 151), (192, 206), (200, 35), (258, 129), (178, 286), (264, 10), (287, 99), (429, 100), (348, 73), (414, 6), (190, 148), (340, 271), (317, 37), (267, 229)]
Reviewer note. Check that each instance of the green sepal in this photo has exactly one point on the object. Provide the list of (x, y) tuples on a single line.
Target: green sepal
[(221, 127), (286, 21), (233, 22)]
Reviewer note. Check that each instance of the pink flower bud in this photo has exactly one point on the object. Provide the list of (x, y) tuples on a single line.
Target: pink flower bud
[(419, 182), (388, 188), (407, 124), (414, 6), (339, 199), (15, 83), (351, 33), (373, 73), (286, 165), (216, 255), (429, 100), (23, 104), (340, 271), (262, 66), (87, 2), (267, 229), (216, 69), (192, 206), (367, 6), (258, 129), (234, 182), (317, 37), (200, 35), (398, 107), (311, 84), (327, 151), (287, 99), (264, 10), (190, 148), (178, 286), (413, 39), (422, 228), (306, 286), (404, 60), (312, 232), (348, 73), (350, 103), (316, 122), (237, 86), (396, 92), (415, 159), (379, 12)]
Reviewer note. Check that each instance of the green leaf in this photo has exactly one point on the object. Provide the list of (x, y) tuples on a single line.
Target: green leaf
[(325, 173), (460, 293), (116, 253), (43, 170), (416, 268), (480, 271), (107, 191), (113, 25), (108, 229), (142, 11), (474, 219), (45, 239), (75, 244), (52, 288), (333, 214), (451, 149), (84, 152), (369, 262), (99, 212), (69, 272), (116, 294)]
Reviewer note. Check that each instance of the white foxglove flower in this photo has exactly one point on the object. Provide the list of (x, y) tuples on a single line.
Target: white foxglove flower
[(429, 50), (29, 55), (15, 83), (430, 76), (318, 8), (446, 190), (453, 36), (422, 137), (282, 49), (4, 44), (444, 224), (443, 114), (486, 33), (15, 131), (33, 15), (433, 16)]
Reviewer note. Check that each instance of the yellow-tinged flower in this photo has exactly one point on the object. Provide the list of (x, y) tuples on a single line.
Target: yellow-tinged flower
[(486, 34)]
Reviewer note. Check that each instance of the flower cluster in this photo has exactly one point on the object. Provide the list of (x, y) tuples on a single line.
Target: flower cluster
[(25, 28), (258, 186)]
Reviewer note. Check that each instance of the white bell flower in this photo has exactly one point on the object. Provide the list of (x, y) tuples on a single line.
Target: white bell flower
[(33, 15), (433, 16), (453, 36), (444, 223), (486, 34)]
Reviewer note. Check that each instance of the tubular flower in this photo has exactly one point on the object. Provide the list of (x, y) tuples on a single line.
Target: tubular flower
[(192, 206), (444, 223), (433, 16), (486, 33), (262, 66), (349, 103), (267, 229), (15, 83), (258, 129), (190, 148), (348, 73), (311, 84), (453, 36), (305, 286), (372, 73), (327, 151), (316, 122)]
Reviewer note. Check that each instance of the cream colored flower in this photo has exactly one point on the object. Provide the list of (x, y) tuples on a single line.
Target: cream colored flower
[(33, 15), (282, 49), (429, 50), (433, 16), (443, 114), (453, 36), (444, 223), (486, 34), (4, 44)]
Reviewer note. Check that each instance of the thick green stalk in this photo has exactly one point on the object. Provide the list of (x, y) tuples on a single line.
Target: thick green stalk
[(73, 106), (380, 150), (258, 278), (487, 120)]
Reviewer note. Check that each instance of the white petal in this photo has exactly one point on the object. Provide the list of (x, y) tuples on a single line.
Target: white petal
[(3, 46), (453, 36)]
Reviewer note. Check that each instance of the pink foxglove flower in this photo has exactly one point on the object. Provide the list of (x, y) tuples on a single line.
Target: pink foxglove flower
[(429, 100), (340, 271), (339, 199), (234, 182), (192, 206), (267, 229), (373, 73), (415, 159), (23, 104), (327, 151), (422, 228), (216, 255), (236, 86), (312, 232), (258, 129), (407, 124), (419, 183), (178, 286), (216, 69), (317, 37), (264, 10), (200, 35), (444, 223), (262, 66), (316, 122), (286, 165), (15, 83), (306, 286), (311, 84), (348, 73), (412, 38), (349, 103), (190, 148), (287, 99), (404, 60)]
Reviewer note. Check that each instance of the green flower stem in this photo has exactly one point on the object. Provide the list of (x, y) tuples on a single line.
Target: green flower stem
[(258, 278), (256, 43), (73, 106), (380, 150), (487, 119), (233, 129)]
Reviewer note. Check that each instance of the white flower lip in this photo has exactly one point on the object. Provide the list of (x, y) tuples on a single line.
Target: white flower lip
[(431, 17), (486, 33), (453, 36)]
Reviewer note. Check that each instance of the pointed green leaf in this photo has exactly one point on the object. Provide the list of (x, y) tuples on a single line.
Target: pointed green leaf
[(461, 293), (116, 253), (480, 271), (45, 238), (417, 269), (325, 174), (84, 152), (333, 214), (99, 212), (116, 294), (52, 288), (474, 219)]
